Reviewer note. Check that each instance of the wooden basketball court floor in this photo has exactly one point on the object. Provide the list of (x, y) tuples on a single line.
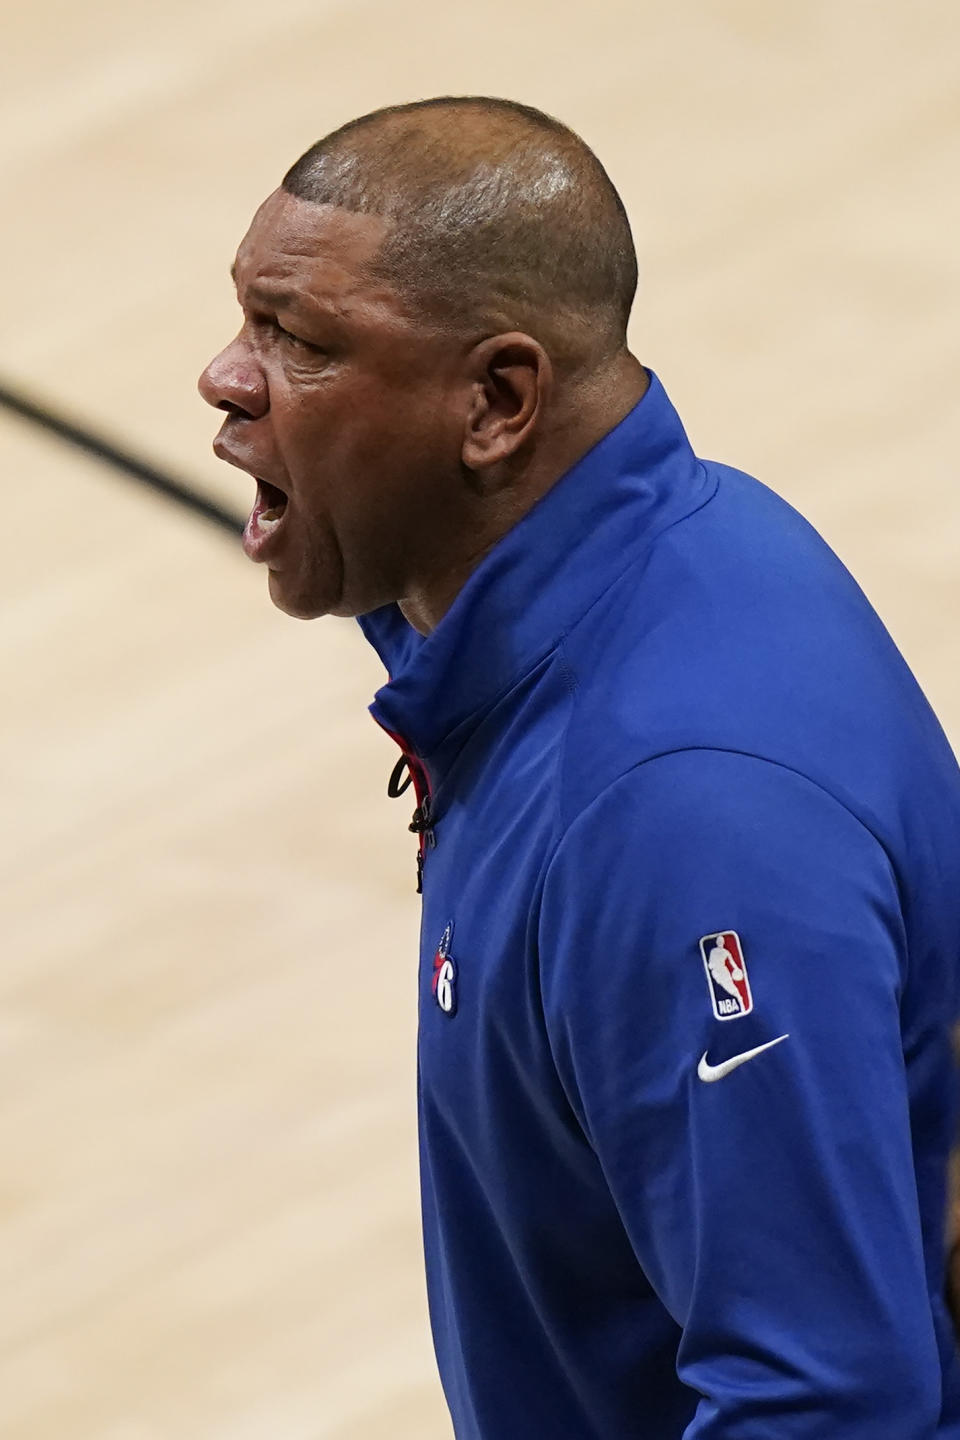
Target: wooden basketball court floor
[(208, 1200)]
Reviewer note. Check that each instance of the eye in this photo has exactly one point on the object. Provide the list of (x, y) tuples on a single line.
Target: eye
[(295, 340)]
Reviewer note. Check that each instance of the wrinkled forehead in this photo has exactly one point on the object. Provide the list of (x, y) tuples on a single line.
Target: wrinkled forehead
[(320, 248)]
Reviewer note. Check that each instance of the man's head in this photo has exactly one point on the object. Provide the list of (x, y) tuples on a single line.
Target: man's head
[(435, 306)]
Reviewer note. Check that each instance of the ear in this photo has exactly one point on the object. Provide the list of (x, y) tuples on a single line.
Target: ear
[(511, 380)]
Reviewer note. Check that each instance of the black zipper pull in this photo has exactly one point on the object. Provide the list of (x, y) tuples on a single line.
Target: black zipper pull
[(394, 788), (421, 825), (422, 822)]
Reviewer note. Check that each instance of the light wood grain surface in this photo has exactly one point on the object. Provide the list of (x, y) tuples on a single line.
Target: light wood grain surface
[(208, 1200)]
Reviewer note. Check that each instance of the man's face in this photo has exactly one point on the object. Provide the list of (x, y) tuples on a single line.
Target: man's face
[(347, 409)]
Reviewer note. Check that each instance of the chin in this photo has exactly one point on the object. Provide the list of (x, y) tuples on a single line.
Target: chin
[(298, 605)]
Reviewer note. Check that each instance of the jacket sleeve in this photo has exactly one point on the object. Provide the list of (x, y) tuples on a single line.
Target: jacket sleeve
[(773, 1207)]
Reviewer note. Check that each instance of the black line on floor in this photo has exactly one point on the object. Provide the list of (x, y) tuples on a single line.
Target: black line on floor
[(118, 458)]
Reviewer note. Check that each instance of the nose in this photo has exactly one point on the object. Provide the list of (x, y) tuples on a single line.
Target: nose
[(235, 382)]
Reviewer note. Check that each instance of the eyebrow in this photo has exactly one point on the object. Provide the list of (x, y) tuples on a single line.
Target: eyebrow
[(273, 295)]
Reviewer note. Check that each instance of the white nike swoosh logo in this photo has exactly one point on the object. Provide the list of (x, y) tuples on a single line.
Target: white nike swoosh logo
[(709, 1072)]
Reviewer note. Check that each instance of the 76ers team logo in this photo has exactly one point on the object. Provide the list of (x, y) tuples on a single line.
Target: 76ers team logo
[(445, 974), (726, 975)]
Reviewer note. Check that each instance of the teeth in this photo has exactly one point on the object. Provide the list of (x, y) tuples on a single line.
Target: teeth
[(269, 520)]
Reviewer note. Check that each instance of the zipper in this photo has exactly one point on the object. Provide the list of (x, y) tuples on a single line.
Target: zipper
[(422, 823)]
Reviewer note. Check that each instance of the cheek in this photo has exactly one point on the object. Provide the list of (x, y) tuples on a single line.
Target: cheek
[(362, 455), (411, 442)]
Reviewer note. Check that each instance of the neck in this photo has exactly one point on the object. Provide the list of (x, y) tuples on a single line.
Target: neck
[(592, 411)]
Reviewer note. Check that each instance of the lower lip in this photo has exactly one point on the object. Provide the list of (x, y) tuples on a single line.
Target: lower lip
[(261, 533)]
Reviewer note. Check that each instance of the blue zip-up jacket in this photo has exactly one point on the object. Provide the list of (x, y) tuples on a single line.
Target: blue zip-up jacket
[(685, 799)]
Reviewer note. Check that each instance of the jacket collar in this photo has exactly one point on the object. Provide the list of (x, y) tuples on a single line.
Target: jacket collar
[(538, 580)]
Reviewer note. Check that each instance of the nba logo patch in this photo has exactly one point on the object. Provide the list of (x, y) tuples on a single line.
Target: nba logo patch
[(726, 975), (444, 984)]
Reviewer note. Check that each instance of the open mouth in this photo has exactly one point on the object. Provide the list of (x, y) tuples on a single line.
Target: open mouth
[(266, 517), (269, 506)]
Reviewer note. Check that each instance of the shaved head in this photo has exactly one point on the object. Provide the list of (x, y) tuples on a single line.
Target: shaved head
[(499, 218), (434, 304)]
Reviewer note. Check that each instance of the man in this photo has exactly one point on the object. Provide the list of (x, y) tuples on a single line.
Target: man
[(648, 715)]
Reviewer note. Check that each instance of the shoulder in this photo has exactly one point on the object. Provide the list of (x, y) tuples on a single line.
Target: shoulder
[(716, 809), (740, 631)]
